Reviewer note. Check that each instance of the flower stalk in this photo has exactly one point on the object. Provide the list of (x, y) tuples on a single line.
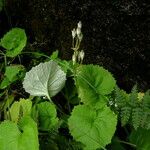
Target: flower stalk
[(77, 36)]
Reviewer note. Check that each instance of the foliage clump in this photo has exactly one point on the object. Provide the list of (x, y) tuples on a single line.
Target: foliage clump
[(66, 101), (134, 108)]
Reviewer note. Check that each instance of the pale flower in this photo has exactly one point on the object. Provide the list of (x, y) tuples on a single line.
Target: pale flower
[(80, 24), (74, 33)]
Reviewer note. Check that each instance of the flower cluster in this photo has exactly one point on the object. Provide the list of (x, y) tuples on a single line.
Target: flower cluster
[(77, 36)]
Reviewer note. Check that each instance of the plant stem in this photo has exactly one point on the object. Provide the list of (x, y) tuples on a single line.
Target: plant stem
[(127, 143), (35, 53), (5, 60)]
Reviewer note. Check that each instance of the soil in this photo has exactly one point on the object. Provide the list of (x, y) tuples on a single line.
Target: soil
[(116, 33)]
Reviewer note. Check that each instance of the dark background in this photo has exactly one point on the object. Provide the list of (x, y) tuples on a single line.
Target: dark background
[(116, 32)]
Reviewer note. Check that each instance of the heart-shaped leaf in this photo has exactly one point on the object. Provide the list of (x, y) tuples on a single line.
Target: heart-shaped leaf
[(94, 128), (46, 79), (94, 84), (23, 136), (47, 115)]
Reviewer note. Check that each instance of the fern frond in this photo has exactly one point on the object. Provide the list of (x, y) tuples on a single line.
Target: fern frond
[(146, 100), (121, 97), (148, 123), (145, 105), (136, 117), (144, 119), (133, 108), (133, 97), (125, 115)]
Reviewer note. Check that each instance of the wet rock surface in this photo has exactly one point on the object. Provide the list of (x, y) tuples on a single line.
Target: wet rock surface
[(116, 33)]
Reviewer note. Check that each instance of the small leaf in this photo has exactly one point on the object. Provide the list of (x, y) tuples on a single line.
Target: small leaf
[(20, 109), (8, 101), (11, 138), (14, 112), (94, 83), (46, 79), (14, 41), (12, 73), (4, 83), (65, 65), (94, 128), (26, 106), (47, 115), (54, 55)]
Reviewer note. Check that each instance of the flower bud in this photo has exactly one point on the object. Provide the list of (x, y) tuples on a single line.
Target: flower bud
[(81, 55), (74, 59), (80, 24), (80, 37), (78, 31), (74, 33)]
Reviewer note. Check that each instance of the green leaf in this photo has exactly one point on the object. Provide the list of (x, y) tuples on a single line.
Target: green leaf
[(4, 83), (9, 101), (94, 128), (20, 109), (14, 41), (65, 65), (46, 79), (23, 138), (47, 116), (94, 84), (12, 73), (28, 140), (25, 106), (141, 138), (54, 55), (14, 112), (9, 134)]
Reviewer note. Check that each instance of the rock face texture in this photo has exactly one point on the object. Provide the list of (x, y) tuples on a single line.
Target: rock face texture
[(116, 33)]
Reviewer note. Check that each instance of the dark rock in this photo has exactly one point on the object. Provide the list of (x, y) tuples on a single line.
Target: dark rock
[(116, 33)]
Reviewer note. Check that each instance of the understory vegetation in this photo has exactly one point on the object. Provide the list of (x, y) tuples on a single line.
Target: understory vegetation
[(55, 104)]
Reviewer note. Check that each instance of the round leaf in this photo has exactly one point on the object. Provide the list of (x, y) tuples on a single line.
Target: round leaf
[(94, 128), (47, 115), (94, 83), (14, 41), (46, 79), (19, 137)]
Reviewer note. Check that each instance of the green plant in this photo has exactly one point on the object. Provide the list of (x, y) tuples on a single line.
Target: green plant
[(46, 79), (93, 84), (14, 41), (133, 108), (70, 105), (14, 134), (11, 45)]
